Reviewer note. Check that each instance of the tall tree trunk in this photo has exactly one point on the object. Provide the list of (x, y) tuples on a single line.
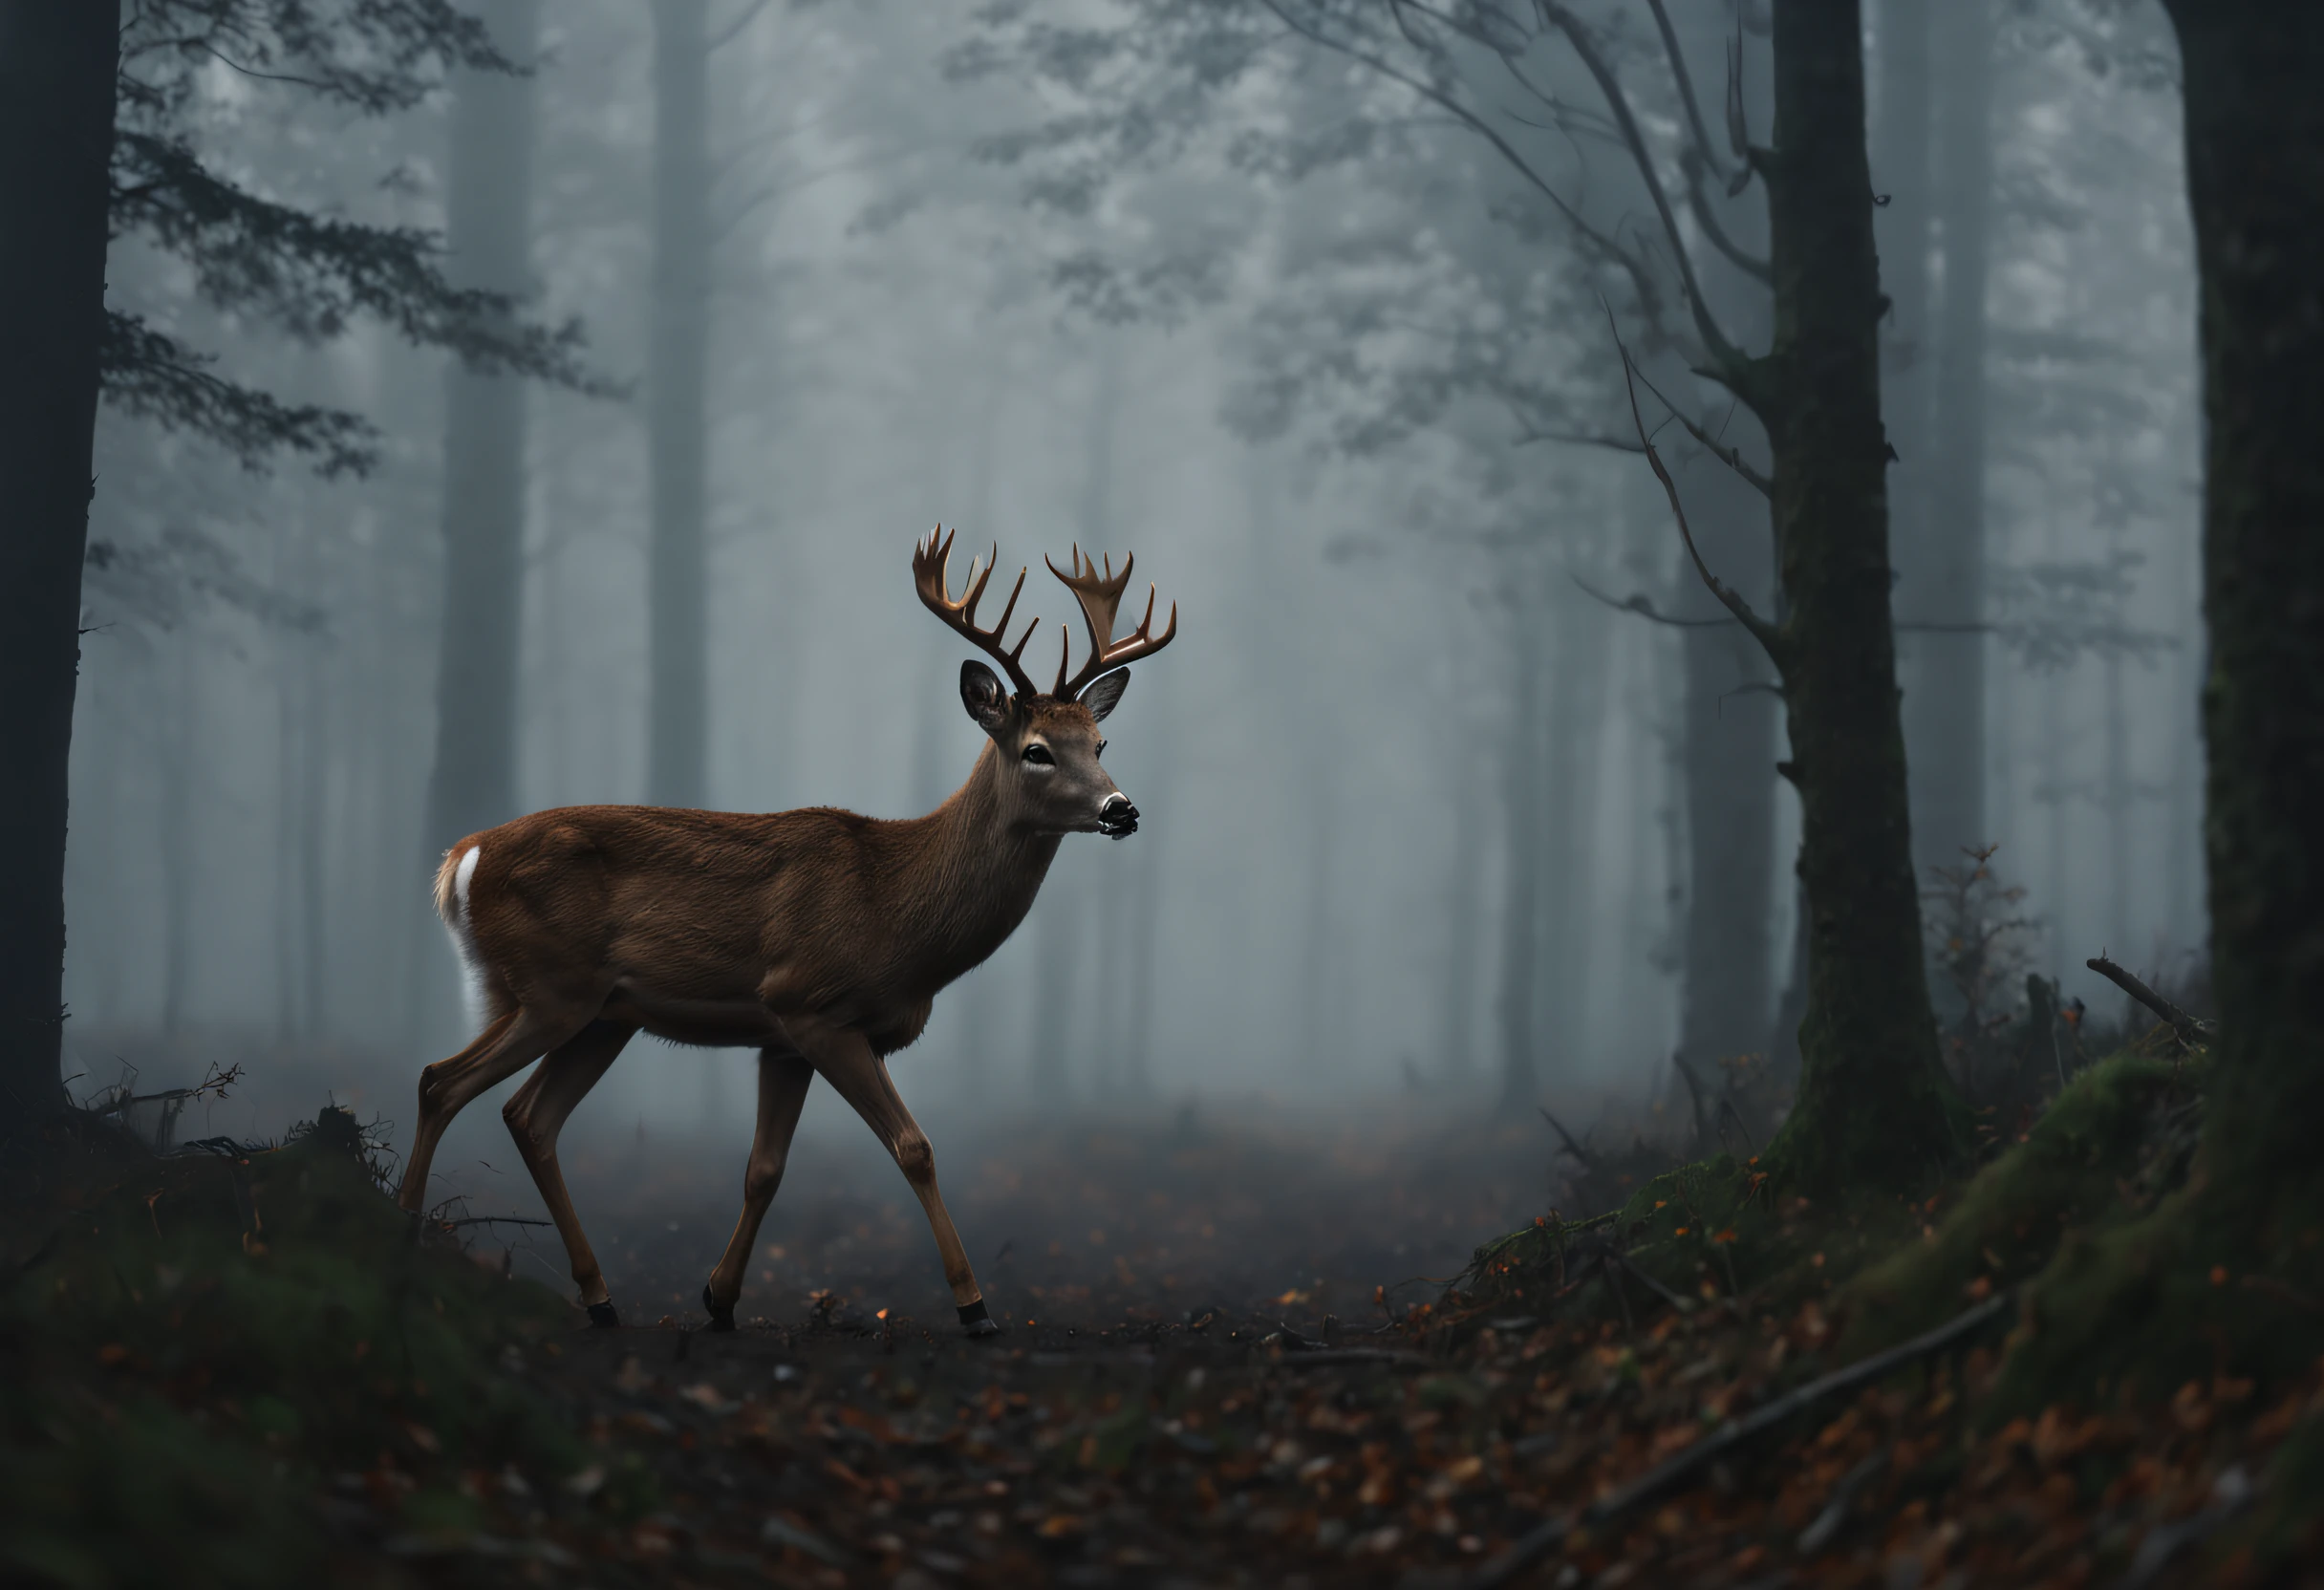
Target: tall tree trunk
[(677, 735), (1944, 574), (472, 783), (1522, 867), (1874, 1107), (2255, 174), (56, 89)]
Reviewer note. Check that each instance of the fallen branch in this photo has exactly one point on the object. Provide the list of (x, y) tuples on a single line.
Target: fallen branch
[(1818, 1535), (1571, 1146), (2187, 1027), (1682, 1304), (1549, 1537)]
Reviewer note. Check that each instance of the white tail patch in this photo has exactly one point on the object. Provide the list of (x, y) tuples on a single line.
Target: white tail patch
[(452, 883)]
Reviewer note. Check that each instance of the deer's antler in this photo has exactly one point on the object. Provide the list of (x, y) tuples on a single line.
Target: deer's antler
[(1100, 596), (929, 559)]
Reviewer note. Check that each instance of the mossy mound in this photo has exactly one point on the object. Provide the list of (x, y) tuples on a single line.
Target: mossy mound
[(208, 1347), (2112, 1142)]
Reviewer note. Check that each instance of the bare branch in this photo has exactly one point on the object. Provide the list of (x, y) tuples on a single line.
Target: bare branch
[(1549, 1537), (1725, 453), (1686, 86), (1644, 606), (1579, 438), (1640, 277), (2189, 1028), (1617, 101), (1767, 634), (1705, 217)]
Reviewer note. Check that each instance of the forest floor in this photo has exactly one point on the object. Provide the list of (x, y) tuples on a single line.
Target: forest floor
[(242, 1371)]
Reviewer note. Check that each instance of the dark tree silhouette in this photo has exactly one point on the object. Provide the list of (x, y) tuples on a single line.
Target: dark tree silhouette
[(2255, 174), (98, 142)]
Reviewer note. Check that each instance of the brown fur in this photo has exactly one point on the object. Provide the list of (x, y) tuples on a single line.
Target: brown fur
[(708, 927), (819, 935)]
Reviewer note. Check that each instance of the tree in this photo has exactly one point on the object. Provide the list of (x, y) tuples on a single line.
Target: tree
[(99, 139), (2252, 1205), (2255, 177), (56, 109), (1874, 1106)]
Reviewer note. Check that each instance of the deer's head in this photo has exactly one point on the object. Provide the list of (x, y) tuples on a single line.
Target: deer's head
[(1046, 743)]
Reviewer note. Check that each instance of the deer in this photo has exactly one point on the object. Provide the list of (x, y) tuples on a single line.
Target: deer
[(819, 937)]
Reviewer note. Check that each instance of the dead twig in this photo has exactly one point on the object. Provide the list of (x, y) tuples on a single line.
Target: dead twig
[(1571, 1146), (2190, 1028), (1683, 1304), (1818, 1535), (1549, 1537), (1768, 636)]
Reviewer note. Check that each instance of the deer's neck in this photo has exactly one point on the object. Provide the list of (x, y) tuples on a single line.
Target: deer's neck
[(977, 875)]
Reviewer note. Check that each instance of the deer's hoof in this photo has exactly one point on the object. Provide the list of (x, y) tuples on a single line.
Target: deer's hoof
[(976, 1323), (601, 1316), (722, 1315)]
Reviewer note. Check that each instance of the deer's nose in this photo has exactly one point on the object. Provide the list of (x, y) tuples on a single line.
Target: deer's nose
[(1117, 818)]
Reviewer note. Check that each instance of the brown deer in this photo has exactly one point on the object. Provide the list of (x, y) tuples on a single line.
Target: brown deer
[(820, 937)]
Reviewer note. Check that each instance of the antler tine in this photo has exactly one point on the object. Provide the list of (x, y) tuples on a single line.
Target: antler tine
[(930, 561), (1099, 598)]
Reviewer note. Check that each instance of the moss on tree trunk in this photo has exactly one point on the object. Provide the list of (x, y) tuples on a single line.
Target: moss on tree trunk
[(2225, 1274), (1874, 1106)]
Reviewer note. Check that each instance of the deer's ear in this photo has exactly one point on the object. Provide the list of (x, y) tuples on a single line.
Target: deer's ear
[(1104, 691), (983, 694)]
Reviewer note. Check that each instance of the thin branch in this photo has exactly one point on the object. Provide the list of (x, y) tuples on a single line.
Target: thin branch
[(1571, 1146), (1643, 605), (1686, 85), (2189, 1028), (1678, 1304), (1724, 451), (1613, 250), (1549, 1537), (1705, 217), (1765, 634), (1579, 439), (1586, 46)]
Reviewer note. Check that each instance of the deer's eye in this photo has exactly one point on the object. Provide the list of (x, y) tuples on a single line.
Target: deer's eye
[(1101, 747), (1037, 756)]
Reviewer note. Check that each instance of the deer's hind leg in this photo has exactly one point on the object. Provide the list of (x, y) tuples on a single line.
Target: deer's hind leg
[(783, 1079), (512, 1040), (536, 1114)]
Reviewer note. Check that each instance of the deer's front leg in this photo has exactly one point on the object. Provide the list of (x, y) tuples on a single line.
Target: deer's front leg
[(861, 1078)]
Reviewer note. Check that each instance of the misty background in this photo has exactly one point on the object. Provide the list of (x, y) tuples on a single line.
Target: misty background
[(1426, 820)]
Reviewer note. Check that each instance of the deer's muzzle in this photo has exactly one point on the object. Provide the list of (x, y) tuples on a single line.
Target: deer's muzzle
[(1117, 818)]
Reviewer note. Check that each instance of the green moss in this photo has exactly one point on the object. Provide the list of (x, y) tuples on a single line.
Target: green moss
[(206, 1343), (2009, 1222)]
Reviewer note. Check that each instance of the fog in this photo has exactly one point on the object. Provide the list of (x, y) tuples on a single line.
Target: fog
[(1323, 360)]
